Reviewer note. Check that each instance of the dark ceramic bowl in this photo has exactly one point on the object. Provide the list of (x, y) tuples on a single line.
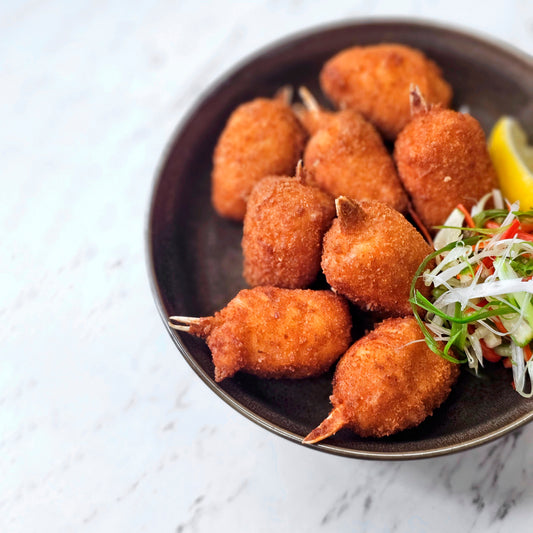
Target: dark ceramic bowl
[(195, 256)]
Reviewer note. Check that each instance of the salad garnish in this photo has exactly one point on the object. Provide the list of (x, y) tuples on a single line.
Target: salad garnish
[(481, 275)]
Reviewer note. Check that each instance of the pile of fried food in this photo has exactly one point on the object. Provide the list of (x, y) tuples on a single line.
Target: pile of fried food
[(318, 190)]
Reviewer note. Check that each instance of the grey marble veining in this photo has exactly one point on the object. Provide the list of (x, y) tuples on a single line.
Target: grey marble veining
[(103, 427)]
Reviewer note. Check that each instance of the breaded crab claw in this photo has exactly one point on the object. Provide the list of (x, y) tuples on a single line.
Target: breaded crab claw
[(285, 223), (386, 382), (375, 80), (261, 138), (274, 333), (442, 161), (346, 156), (371, 254)]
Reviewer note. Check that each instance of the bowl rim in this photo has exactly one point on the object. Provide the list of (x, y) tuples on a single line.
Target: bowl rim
[(481, 39)]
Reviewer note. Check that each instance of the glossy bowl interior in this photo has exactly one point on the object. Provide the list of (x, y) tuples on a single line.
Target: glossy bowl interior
[(195, 259)]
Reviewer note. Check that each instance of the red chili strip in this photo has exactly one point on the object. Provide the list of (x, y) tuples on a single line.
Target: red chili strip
[(488, 353), (527, 352), (499, 324), (512, 230), (524, 236), (468, 218), (527, 227), (489, 263)]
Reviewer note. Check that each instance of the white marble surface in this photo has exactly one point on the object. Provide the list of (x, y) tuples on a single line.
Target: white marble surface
[(103, 427)]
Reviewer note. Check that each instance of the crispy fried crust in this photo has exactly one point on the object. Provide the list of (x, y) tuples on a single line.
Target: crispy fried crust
[(347, 157), (277, 333), (283, 229), (261, 138), (386, 382), (375, 81), (370, 255), (442, 161)]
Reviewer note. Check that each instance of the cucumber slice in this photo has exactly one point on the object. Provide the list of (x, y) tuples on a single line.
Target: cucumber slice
[(521, 327)]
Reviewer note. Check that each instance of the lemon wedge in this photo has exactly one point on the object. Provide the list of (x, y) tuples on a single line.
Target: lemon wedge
[(513, 160)]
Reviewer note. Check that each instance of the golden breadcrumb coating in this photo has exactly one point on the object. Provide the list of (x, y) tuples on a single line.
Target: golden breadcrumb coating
[(443, 161), (261, 138), (375, 81), (371, 254), (283, 230), (386, 382), (277, 333), (347, 157)]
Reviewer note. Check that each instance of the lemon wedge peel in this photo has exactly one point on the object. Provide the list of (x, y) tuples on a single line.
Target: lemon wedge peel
[(513, 160)]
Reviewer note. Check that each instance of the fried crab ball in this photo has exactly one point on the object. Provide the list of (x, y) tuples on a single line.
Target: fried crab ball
[(261, 138), (443, 161), (274, 333), (371, 254), (284, 226), (386, 382), (375, 81), (347, 157)]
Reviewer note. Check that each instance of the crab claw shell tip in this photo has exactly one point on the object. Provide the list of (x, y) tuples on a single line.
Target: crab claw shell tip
[(329, 426)]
